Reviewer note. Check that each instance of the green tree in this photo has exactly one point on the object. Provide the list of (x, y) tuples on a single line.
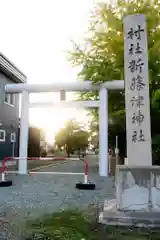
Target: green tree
[(94, 136), (73, 137), (102, 56)]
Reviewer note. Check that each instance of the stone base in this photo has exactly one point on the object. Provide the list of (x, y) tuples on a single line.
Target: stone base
[(137, 200), (138, 188), (112, 216)]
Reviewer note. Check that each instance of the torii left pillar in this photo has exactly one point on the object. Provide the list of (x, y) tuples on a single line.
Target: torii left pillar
[(103, 132), (24, 124)]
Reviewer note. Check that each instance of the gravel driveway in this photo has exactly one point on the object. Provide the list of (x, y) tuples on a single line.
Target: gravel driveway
[(32, 196)]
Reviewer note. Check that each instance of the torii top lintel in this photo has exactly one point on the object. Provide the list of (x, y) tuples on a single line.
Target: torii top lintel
[(78, 86)]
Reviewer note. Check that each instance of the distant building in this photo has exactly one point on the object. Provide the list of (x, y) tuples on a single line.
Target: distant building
[(9, 108), (34, 141)]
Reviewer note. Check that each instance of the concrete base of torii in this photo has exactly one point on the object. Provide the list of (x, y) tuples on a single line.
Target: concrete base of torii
[(137, 200)]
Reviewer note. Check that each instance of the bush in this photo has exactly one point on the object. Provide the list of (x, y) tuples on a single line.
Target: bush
[(43, 153), (156, 149)]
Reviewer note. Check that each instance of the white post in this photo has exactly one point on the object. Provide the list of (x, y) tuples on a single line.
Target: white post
[(85, 179), (103, 132), (3, 177), (23, 150), (117, 151)]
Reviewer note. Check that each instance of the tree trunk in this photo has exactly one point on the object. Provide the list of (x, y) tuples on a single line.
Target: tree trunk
[(79, 153), (67, 151), (68, 154)]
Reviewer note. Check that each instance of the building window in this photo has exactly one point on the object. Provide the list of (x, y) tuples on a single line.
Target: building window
[(2, 135), (13, 137), (9, 99)]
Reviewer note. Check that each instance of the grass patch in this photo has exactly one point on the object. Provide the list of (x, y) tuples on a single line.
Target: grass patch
[(70, 224), (78, 225)]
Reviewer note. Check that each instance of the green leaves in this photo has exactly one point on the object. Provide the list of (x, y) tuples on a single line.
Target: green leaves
[(72, 137), (103, 58)]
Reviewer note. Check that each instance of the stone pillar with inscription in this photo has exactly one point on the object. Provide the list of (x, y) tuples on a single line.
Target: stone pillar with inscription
[(137, 182), (136, 175), (137, 91)]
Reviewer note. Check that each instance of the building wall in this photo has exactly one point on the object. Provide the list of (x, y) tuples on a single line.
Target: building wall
[(8, 114), (9, 148), (9, 120)]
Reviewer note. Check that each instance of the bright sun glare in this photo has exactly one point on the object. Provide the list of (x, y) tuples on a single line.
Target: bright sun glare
[(51, 119), (42, 52), (47, 28)]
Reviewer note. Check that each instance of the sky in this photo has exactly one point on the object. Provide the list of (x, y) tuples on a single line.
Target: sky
[(36, 36)]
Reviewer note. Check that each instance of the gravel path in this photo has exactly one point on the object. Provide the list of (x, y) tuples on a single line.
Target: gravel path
[(32, 196)]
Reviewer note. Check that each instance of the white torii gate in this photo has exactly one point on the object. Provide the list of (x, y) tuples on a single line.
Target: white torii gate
[(103, 88)]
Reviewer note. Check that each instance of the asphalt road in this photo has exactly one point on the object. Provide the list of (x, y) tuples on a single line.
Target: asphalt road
[(35, 195)]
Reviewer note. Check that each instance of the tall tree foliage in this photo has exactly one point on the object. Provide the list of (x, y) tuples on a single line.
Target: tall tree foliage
[(102, 54), (73, 137)]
